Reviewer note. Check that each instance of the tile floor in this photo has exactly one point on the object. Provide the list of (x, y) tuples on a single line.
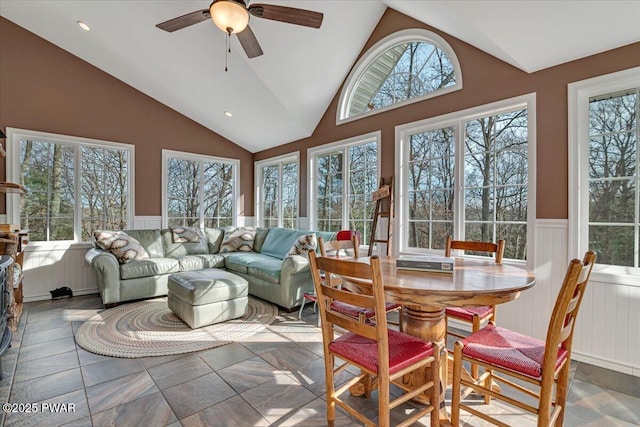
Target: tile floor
[(274, 378)]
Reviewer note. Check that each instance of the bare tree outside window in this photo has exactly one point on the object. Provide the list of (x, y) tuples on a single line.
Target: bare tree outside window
[(405, 71), (48, 171), (271, 190), (614, 180), (494, 175), (350, 172), (279, 194), (495, 171), (290, 195), (330, 181), (199, 191), (431, 179), (363, 181)]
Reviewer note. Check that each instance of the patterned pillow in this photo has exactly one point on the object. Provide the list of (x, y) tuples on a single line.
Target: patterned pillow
[(124, 247), (304, 244), (241, 239), (186, 234)]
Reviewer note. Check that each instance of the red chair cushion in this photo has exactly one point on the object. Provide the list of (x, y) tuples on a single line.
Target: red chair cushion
[(354, 310), (310, 296), (346, 234), (509, 350), (404, 350), (466, 313)]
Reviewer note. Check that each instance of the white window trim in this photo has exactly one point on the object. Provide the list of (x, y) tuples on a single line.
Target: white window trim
[(457, 119), (411, 34), (274, 161), (14, 136), (578, 100), (313, 152), (167, 154)]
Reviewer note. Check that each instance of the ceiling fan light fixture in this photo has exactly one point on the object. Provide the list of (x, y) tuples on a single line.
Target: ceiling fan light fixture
[(231, 16)]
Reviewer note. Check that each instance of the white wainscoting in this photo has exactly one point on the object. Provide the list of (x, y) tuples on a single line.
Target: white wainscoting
[(146, 222), (606, 332), (53, 266), (607, 328)]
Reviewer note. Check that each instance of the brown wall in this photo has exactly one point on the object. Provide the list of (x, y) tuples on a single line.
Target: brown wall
[(485, 79), (45, 88)]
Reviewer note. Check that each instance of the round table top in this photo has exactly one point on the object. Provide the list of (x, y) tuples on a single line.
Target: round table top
[(474, 282)]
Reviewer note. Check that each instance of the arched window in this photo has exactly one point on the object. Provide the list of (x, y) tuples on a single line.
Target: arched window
[(404, 67)]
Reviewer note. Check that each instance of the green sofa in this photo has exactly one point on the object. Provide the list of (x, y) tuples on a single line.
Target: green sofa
[(273, 275)]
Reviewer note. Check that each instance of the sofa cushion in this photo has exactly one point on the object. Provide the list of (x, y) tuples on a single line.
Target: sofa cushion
[(191, 237), (178, 250), (279, 241), (148, 267), (214, 238), (239, 240), (150, 240), (261, 234), (304, 244), (200, 261), (124, 247), (266, 268), (241, 261), (211, 260)]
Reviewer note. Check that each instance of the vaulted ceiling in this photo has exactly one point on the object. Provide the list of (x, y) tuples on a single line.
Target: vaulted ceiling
[(281, 96)]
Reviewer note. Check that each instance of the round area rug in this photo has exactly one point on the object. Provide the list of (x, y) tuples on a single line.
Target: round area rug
[(150, 328)]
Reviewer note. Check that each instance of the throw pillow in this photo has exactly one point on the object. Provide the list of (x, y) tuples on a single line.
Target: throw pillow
[(124, 247), (304, 244), (241, 239), (186, 234)]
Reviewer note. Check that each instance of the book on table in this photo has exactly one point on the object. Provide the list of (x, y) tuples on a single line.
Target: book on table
[(440, 264)]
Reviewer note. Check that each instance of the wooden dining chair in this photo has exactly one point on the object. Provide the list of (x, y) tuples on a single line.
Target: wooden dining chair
[(363, 314), (475, 316), (541, 363), (381, 353), (345, 240)]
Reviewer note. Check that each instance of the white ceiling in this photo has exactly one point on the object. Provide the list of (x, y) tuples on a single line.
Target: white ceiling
[(281, 96)]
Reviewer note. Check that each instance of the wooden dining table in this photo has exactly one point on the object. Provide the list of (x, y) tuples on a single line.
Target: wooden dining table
[(425, 295)]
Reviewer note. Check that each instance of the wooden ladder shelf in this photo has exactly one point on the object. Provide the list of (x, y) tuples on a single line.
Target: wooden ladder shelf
[(384, 209)]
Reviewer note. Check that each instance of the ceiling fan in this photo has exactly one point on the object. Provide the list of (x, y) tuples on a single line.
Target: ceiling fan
[(232, 17)]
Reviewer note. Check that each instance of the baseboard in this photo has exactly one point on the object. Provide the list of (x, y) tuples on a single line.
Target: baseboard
[(605, 363), (47, 296)]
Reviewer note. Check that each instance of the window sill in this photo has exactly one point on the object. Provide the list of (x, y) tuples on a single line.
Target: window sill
[(57, 246), (615, 276)]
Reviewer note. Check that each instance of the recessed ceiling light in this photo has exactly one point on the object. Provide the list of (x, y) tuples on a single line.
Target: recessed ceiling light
[(84, 26), (228, 113)]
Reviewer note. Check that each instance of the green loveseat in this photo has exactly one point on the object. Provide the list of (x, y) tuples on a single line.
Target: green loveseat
[(273, 275)]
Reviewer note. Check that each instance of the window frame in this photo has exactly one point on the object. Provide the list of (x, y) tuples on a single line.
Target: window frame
[(14, 136), (578, 94), (457, 120), (293, 157), (183, 155), (403, 36), (343, 145)]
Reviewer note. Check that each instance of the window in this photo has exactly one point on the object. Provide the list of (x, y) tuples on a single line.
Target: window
[(74, 185), (199, 191), (604, 172), (343, 177), (467, 174), (277, 192), (407, 66)]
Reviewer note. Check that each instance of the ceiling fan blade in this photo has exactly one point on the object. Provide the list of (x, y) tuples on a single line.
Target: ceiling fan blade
[(289, 15), (185, 20), (249, 42)]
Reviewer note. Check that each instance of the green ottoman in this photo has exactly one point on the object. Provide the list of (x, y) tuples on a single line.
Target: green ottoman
[(205, 297)]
